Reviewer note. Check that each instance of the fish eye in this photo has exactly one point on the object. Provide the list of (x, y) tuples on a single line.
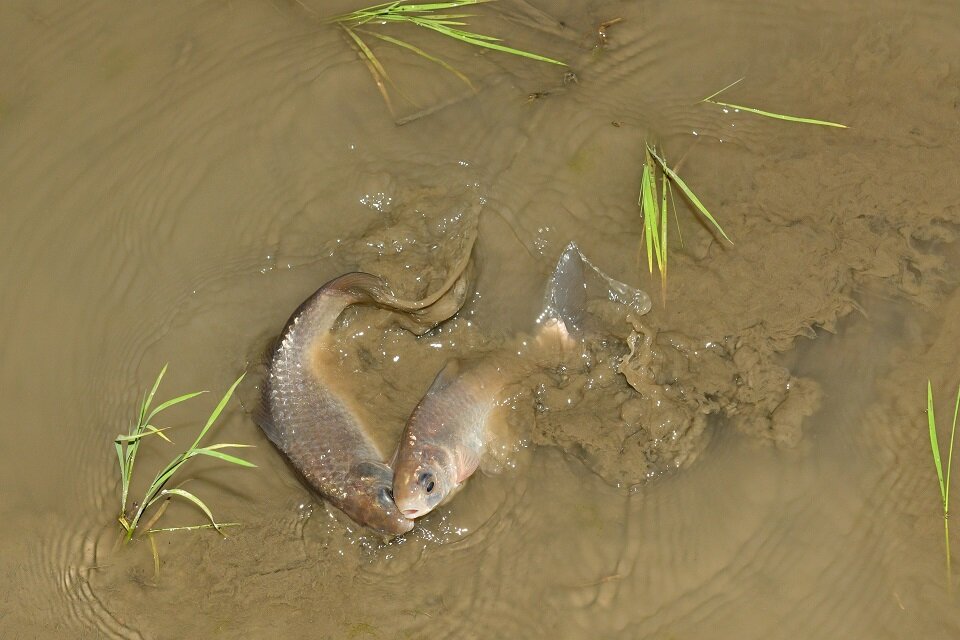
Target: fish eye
[(385, 495), (426, 481)]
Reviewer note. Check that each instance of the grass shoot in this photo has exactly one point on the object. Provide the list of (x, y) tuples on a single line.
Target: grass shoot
[(127, 445), (654, 205), (767, 114), (943, 480), (432, 16)]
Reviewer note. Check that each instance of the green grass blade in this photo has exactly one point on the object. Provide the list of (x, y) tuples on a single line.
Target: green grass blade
[(367, 52), (220, 525), (226, 457), (170, 403), (768, 114), (216, 412), (195, 500), (380, 77), (149, 430), (676, 218), (691, 196), (229, 445), (435, 6), (457, 34), (149, 399), (714, 95), (154, 492), (124, 484), (664, 223), (395, 10), (779, 116), (647, 206), (119, 448), (420, 52), (484, 41), (362, 13), (934, 445), (953, 432)]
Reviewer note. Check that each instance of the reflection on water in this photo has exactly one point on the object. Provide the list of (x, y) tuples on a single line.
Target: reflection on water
[(179, 178)]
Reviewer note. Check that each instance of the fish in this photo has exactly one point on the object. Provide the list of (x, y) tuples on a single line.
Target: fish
[(315, 423), (449, 430)]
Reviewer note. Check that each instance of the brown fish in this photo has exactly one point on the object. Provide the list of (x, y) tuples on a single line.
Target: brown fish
[(450, 429), (315, 423)]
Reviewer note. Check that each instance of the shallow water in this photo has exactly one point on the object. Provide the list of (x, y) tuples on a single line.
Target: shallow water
[(177, 179)]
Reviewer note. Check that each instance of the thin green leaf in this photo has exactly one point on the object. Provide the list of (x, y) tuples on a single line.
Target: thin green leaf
[(170, 403), (664, 224), (483, 41), (451, 32), (149, 430), (229, 445), (934, 445), (779, 116), (140, 415), (691, 196), (645, 208), (216, 412), (154, 493), (714, 95), (119, 449), (424, 54), (953, 432), (676, 218), (195, 500), (380, 77), (124, 485), (768, 114), (149, 399), (226, 457), (220, 525), (435, 6)]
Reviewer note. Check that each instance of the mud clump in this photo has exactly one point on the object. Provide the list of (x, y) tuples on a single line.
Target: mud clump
[(641, 405)]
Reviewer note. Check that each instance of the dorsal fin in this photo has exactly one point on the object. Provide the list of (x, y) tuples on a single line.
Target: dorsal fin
[(566, 296), (446, 376), (576, 282)]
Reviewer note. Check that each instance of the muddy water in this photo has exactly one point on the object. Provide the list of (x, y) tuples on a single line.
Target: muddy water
[(178, 178)]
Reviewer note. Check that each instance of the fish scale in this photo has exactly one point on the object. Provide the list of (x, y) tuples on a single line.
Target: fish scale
[(312, 424), (309, 418)]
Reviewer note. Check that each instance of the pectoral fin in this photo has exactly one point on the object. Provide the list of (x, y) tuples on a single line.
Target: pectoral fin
[(372, 469), (467, 462)]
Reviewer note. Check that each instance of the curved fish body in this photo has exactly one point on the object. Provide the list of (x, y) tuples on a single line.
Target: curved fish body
[(315, 424), (445, 437), (450, 429)]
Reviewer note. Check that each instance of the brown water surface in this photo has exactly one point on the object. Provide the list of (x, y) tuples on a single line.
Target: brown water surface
[(749, 460)]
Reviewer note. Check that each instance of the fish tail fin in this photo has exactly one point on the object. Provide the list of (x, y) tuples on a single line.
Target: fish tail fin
[(418, 316), (362, 287), (574, 284), (565, 300)]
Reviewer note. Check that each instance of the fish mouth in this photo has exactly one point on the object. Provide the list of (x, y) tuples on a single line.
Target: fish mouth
[(411, 513)]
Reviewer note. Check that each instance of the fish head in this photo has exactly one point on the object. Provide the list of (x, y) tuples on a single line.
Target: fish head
[(424, 476), (369, 499)]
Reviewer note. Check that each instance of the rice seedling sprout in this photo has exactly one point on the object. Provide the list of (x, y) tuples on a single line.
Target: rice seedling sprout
[(654, 208), (944, 480), (432, 16), (127, 445), (768, 114)]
